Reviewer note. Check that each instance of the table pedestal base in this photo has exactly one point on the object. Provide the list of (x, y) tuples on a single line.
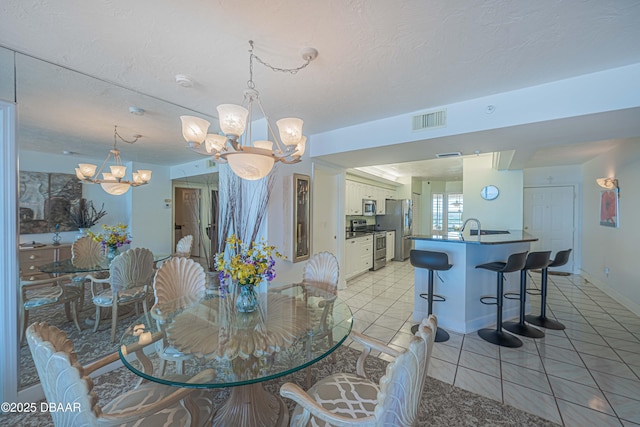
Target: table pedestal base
[(251, 405)]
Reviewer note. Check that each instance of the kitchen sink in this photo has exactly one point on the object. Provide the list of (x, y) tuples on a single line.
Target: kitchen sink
[(486, 232)]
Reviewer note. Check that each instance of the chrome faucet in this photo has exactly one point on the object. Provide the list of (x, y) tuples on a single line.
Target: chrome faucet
[(471, 220)]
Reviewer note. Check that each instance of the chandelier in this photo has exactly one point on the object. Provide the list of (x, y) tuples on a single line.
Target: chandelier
[(113, 182), (249, 159)]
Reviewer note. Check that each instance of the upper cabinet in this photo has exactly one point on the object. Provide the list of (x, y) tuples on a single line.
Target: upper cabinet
[(356, 191)]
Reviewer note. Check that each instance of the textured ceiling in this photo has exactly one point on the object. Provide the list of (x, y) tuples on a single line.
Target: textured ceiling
[(377, 59)]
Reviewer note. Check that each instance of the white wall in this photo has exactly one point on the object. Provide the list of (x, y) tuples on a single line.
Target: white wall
[(615, 248), (503, 213)]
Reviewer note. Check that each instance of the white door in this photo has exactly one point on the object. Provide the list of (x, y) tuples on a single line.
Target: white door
[(549, 216)]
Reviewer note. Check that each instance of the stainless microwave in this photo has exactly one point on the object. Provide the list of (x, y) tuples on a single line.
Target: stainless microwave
[(368, 207)]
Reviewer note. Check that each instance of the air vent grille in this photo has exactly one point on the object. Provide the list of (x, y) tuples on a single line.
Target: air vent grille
[(451, 154), (430, 120)]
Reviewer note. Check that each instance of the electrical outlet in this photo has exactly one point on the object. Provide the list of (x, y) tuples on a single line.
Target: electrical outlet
[(606, 271)]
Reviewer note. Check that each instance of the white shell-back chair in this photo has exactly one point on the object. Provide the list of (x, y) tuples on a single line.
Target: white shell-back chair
[(347, 399), (36, 294), (178, 283), (64, 380), (130, 275), (86, 253), (183, 247)]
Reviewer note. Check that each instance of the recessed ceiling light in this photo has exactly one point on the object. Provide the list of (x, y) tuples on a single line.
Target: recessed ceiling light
[(67, 152), (136, 110)]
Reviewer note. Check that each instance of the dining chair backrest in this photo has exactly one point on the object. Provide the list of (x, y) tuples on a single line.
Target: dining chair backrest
[(322, 267), (132, 268), (61, 376), (183, 247), (177, 278), (401, 386), (86, 252)]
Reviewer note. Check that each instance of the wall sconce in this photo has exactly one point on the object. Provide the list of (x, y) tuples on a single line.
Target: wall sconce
[(608, 183)]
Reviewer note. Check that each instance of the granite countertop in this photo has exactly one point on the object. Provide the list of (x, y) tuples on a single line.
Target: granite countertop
[(495, 237)]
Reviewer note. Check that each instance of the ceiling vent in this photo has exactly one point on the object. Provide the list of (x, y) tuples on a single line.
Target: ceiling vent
[(430, 120), (452, 154)]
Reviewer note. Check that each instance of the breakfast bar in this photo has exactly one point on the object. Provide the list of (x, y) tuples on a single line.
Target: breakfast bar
[(463, 284)]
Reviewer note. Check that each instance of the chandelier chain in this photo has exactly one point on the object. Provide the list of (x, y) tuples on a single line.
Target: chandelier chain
[(115, 133), (252, 55)]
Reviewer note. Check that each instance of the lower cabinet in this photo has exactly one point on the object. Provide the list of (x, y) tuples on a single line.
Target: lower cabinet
[(359, 255)]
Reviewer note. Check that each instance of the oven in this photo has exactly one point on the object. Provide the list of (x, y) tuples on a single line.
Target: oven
[(379, 250), (368, 207)]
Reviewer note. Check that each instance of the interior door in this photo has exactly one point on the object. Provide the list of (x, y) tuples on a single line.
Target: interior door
[(188, 212), (549, 216)]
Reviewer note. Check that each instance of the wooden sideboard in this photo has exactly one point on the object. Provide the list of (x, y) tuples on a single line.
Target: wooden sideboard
[(33, 257)]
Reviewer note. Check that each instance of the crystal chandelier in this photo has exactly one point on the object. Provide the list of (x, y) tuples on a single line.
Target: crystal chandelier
[(249, 159), (113, 182)]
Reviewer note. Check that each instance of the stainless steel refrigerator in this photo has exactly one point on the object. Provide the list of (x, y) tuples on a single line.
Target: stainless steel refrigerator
[(398, 218)]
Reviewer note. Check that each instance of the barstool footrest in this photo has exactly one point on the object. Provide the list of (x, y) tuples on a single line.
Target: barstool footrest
[(494, 299), (534, 291), (435, 298), (512, 295)]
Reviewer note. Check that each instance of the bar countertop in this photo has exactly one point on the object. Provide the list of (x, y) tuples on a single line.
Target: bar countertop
[(487, 237)]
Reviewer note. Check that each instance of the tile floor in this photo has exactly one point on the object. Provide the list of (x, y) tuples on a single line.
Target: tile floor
[(586, 375)]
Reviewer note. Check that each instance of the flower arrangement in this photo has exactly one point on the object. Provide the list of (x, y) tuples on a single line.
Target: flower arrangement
[(84, 214), (113, 236), (247, 264)]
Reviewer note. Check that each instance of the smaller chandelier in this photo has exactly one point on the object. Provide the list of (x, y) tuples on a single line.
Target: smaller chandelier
[(113, 182), (249, 159)]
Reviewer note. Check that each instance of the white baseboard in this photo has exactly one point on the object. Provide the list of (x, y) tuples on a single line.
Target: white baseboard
[(612, 292)]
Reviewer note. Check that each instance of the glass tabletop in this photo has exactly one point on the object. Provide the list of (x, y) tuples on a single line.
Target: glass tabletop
[(68, 266), (294, 327)]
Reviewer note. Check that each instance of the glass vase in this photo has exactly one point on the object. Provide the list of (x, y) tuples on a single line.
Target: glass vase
[(247, 300), (81, 233), (112, 252)]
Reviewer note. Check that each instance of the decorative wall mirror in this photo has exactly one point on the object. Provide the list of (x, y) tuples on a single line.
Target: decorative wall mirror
[(489, 192)]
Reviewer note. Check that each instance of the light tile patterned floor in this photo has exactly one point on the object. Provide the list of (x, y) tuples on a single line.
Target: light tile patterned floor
[(586, 375)]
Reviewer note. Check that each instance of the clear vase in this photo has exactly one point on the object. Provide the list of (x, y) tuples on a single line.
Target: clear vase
[(81, 233), (112, 252), (247, 300)]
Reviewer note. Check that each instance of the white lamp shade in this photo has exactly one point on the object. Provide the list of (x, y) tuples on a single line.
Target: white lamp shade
[(290, 130), (233, 119), (145, 175), (118, 171), (194, 128), (108, 177), (87, 169), (115, 189), (136, 178), (250, 166), (265, 145), (213, 143), (79, 174)]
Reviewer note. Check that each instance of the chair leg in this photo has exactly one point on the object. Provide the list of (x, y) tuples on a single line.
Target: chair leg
[(74, 314), (114, 320), (179, 367), (146, 311), (162, 366), (97, 322), (67, 309), (25, 322)]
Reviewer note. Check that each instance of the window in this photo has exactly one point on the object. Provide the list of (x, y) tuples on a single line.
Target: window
[(454, 211), (437, 202)]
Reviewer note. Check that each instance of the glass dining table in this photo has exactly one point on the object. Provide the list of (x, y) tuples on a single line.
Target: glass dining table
[(75, 266), (294, 327)]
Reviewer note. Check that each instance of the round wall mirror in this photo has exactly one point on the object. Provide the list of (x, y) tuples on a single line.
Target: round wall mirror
[(490, 192)]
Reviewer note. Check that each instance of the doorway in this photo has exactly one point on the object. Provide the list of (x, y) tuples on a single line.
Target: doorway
[(188, 211), (549, 215)]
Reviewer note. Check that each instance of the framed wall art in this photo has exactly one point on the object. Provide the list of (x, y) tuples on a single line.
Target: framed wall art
[(609, 215), (45, 200)]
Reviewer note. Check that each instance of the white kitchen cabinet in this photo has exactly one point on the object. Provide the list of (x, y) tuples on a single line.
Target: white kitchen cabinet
[(391, 245), (359, 255), (356, 191), (353, 202)]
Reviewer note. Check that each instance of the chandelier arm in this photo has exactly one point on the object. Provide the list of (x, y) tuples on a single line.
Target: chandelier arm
[(99, 171), (273, 134), (286, 160)]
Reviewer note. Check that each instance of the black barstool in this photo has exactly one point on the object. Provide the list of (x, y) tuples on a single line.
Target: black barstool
[(535, 260), (561, 258), (438, 261), (515, 262)]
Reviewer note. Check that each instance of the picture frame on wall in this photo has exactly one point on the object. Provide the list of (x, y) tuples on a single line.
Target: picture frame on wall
[(609, 214)]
